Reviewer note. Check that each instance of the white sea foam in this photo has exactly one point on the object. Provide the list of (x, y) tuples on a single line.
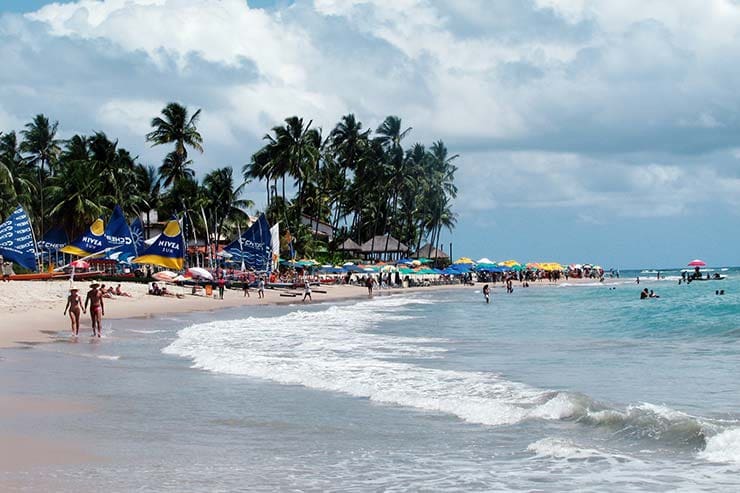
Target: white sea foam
[(336, 350), (559, 448), (141, 331), (723, 447)]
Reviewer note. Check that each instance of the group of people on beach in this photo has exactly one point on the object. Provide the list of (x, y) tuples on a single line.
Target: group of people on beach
[(94, 299)]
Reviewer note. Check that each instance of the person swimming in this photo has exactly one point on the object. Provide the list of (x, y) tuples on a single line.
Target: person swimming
[(487, 293), (644, 294)]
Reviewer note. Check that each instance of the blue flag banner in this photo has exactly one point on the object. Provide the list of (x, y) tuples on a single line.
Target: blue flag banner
[(53, 240), (90, 242), (168, 250), (137, 233), (16, 239), (254, 246), (119, 238)]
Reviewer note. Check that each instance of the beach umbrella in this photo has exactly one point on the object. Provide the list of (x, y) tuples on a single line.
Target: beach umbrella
[(697, 263), (79, 264), (508, 263), (403, 261), (464, 260), (164, 275), (485, 260), (199, 273)]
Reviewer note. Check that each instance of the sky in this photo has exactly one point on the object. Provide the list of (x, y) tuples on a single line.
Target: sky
[(588, 131)]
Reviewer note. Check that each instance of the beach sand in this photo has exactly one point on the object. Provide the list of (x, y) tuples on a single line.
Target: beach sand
[(34, 309)]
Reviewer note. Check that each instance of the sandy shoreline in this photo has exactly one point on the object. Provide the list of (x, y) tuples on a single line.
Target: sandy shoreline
[(34, 310)]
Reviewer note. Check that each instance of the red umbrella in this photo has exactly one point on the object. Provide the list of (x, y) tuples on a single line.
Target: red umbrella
[(697, 263), (79, 264)]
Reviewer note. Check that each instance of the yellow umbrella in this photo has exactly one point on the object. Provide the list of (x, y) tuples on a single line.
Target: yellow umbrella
[(464, 260), (509, 263)]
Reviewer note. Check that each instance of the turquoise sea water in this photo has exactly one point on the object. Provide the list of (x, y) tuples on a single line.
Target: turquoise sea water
[(574, 387)]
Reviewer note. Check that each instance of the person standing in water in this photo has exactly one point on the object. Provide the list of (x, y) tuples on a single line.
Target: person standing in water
[(487, 293), (97, 309), (74, 305), (307, 291)]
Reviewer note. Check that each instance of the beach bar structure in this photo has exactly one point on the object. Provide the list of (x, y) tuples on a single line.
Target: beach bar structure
[(349, 246), (383, 247), (428, 251)]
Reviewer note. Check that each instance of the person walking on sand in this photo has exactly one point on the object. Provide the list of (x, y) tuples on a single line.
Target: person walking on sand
[(369, 283), (261, 288), (221, 285), (487, 293), (74, 305), (245, 280), (97, 309), (307, 291)]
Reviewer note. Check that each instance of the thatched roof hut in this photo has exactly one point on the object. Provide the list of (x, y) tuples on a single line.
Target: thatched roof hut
[(349, 246), (428, 251), (384, 244)]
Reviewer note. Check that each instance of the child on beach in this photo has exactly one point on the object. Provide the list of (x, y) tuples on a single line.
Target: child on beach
[(74, 305), (261, 288)]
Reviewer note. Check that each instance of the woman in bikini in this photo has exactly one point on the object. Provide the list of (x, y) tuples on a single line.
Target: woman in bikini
[(74, 305)]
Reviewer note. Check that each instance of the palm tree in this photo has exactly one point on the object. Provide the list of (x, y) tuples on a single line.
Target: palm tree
[(389, 137), (75, 198), (16, 176), (348, 143), (178, 128), (174, 169), (40, 142), (175, 126), (148, 183), (223, 199)]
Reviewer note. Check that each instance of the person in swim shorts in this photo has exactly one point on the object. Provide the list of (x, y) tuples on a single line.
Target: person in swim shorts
[(97, 308)]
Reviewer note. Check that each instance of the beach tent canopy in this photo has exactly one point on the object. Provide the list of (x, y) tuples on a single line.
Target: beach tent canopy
[(349, 246), (169, 249), (18, 243), (697, 263), (428, 251), (377, 244)]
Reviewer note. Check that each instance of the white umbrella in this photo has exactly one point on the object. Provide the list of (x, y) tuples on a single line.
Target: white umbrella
[(164, 275), (199, 272), (484, 260)]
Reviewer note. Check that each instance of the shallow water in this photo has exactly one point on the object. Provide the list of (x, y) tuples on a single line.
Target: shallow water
[(576, 387)]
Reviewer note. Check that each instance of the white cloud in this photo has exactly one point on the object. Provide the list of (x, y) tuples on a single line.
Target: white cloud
[(575, 104)]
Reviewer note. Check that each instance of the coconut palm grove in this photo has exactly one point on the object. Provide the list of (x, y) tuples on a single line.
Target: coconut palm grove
[(362, 183)]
